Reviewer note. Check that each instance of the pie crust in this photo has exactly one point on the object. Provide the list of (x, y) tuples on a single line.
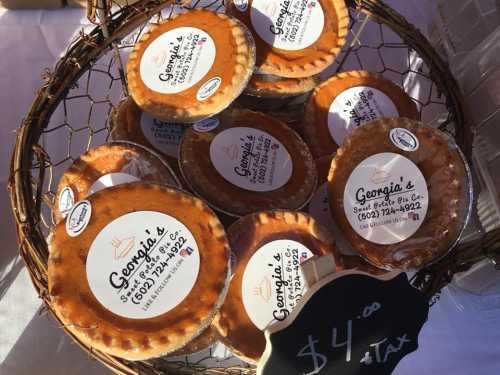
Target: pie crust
[(114, 157), (231, 70), (246, 237), (307, 61), (135, 339), (316, 130), (445, 174), (206, 181)]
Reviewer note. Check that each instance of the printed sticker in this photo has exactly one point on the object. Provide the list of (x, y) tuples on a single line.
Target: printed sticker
[(251, 159), (288, 24), (404, 139), (177, 60), (386, 198), (208, 89), (143, 264), (78, 218), (163, 136), (241, 5), (207, 125), (357, 106), (66, 201), (273, 282)]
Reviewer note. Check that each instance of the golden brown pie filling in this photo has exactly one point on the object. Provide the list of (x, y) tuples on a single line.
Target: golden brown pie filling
[(130, 263), (248, 162), (399, 191)]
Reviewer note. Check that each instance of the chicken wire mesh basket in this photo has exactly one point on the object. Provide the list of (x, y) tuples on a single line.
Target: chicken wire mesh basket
[(70, 115)]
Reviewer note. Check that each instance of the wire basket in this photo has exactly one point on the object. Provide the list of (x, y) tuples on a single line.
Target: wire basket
[(70, 111)]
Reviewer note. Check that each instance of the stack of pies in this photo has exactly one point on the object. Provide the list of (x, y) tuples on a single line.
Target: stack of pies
[(140, 269), (267, 281), (108, 165), (295, 40), (130, 263)]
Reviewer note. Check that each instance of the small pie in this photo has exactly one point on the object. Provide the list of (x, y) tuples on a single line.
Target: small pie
[(249, 162), (266, 85), (138, 270), (191, 67), (348, 100), (399, 191), (108, 165), (297, 38), (269, 247)]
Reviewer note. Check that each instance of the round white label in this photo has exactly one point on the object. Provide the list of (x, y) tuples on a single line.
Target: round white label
[(142, 264), (357, 106), (163, 136), (208, 89), (66, 201), (241, 5), (111, 179), (207, 125), (273, 282), (251, 159), (177, 60), (404, 139), (78, 218), (288, 24), (386, 198)]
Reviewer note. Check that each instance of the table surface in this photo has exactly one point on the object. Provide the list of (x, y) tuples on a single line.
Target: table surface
[(462, 335)]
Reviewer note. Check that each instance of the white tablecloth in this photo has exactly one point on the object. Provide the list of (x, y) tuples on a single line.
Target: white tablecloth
[(461, 337)]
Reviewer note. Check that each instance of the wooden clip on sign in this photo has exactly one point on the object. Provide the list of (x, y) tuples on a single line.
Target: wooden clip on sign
[(349, 323)]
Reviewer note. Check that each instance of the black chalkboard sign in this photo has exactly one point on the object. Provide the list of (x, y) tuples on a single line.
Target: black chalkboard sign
[(347, 324)]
